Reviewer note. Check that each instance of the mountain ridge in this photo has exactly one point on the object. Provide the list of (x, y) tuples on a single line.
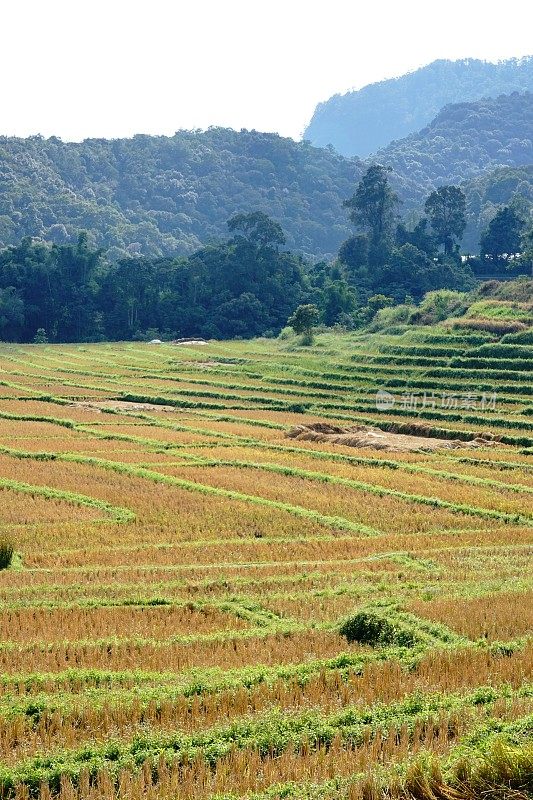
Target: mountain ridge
[(161, 195), (366, 120), (462, 141)]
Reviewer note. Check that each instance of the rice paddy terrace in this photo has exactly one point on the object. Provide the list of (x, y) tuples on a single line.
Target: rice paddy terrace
[(201, 605)]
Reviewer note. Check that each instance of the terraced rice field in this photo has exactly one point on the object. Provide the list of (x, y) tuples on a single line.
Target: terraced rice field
[(174, 621)]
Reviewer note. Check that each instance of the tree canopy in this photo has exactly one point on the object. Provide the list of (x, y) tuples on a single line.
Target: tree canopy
[(244, 286), (397, 261), (490, 191), (463, 141), (502, 238), (159, 195)]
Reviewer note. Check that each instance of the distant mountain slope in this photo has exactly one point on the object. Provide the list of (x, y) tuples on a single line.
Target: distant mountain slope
[(491, 190), (361, 122), (158, 195), (461, 142)]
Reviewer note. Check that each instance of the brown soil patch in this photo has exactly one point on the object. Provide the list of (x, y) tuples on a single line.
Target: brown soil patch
[(376, 439), (121, 405), (204, 364)]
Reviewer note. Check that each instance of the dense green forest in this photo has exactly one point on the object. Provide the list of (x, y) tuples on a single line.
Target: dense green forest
[(361, 122), (486, 193), (250, 283), (158, 195), (240, 287), (463, 141)]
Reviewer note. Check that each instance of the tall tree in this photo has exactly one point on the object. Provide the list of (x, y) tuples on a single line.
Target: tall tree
[(303, 320), (373, 208), (446, 209), (258, 229), (502, 237), (11, 313)]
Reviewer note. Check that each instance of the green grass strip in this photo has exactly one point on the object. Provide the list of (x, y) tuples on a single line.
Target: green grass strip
[(269, 734), (380, 491), (335, 522), (117, 513)]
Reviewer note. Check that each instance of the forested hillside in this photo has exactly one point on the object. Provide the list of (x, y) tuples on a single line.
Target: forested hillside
[(361, 122), (157, 195), (491, 190), (463, 141)]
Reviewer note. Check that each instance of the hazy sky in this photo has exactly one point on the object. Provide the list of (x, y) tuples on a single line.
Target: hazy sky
[(79, 68)]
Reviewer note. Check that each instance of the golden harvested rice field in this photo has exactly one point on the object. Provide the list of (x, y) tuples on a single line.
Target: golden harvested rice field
[(200, 606)]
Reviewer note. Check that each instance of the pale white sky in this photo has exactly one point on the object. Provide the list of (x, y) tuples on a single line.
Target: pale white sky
[(109, 68)]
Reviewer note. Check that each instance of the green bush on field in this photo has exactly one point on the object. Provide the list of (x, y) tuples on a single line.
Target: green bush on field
[(370, 627), (500, 327), (390, 317), (384, 624), (286, 333), (498, 309), (439, 305), (7, 551)]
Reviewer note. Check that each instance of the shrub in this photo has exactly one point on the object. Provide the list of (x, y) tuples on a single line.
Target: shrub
[(497, 326), (7, 551), (391, 316), (439, 305), (370, 627), (365, 628)]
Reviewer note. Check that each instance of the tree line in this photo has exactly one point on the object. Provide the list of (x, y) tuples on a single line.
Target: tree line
[(250, 284)]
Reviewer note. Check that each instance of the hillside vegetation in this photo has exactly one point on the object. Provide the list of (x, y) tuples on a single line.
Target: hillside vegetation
[(160, 196), (497, 308), (491, 190), (463, 141), (361, 122), (157, 195)]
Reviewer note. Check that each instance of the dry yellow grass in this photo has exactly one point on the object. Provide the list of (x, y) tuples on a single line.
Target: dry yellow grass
[(222, 598)]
